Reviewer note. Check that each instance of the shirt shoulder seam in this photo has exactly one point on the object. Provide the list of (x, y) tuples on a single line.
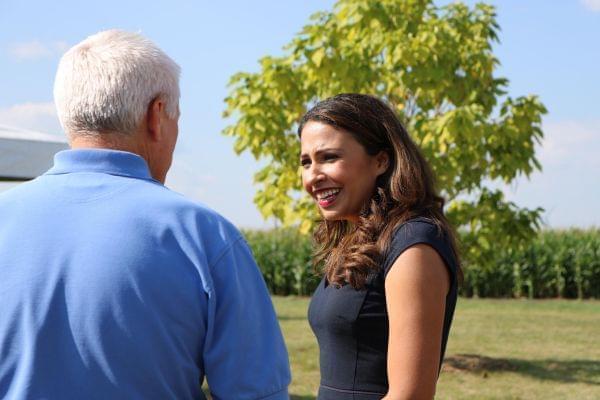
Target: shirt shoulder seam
[(223, 252)]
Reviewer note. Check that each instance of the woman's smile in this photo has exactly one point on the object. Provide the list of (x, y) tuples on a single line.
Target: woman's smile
[(326, 197)]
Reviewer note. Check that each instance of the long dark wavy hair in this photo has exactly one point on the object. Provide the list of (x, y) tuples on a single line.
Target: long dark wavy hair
[(347, 253)]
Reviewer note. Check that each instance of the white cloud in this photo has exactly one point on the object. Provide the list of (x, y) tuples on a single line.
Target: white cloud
[(225, 186), (33, 116), (568, 187), (593, 5), (568, 142), (35, 49)]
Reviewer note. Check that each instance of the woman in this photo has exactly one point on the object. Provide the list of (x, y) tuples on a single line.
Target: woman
[(383, 310)]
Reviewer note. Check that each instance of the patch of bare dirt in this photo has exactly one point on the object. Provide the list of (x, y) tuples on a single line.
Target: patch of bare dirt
[(475, 363)]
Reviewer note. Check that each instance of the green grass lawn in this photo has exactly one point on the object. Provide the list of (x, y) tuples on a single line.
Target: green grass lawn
[(498, 349)]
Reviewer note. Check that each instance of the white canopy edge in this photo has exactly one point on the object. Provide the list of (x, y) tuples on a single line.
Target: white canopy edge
[(26, 154)]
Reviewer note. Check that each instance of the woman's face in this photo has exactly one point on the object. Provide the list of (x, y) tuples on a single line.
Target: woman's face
[(337, 171)]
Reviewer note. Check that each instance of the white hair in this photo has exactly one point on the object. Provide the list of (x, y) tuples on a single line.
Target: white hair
[(106, 83)]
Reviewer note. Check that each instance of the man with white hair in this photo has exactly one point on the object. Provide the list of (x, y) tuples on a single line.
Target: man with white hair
[(111, 285)]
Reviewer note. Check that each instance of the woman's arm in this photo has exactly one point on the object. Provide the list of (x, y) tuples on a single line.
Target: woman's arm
[(416, 288)]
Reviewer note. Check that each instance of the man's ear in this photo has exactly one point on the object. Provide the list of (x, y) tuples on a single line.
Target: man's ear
[(382, 160), (154, 119)]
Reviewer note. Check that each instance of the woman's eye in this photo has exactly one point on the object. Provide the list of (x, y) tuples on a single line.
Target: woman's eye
[(305, 163), (330, 157)]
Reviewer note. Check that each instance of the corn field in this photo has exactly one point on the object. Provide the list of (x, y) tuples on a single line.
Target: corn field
[(556, 264), (284, 258)]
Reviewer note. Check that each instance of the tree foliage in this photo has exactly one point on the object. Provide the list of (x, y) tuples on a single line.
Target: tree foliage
[(435, 66)]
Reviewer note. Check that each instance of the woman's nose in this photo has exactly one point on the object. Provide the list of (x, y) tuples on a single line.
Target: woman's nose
[(316, 175)]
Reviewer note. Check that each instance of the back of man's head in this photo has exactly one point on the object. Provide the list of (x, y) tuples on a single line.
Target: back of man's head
[(105, 83)]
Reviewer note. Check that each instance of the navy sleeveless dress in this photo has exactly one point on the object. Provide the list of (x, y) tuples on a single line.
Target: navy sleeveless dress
[(351, 325)]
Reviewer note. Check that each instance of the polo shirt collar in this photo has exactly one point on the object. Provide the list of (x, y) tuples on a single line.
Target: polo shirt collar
[(113, 162)]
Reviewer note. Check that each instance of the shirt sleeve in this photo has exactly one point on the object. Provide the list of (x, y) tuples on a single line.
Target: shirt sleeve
[(417, 232), (244, 353)]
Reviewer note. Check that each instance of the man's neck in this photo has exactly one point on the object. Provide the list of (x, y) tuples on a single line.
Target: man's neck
[(116, 141), (103, 141)]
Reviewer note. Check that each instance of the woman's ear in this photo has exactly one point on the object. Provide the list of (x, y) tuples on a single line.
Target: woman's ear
[(382, 162)]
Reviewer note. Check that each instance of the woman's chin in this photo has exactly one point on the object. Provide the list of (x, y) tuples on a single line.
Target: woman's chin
[(329, 215), (333, 216)]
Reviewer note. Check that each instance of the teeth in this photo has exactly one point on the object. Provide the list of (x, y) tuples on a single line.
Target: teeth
[(327, 193)]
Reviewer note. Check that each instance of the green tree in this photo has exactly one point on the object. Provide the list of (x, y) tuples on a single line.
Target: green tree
[(435, 66)]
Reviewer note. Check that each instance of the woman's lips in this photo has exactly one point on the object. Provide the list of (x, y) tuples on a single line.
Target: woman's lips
[(327, 198)]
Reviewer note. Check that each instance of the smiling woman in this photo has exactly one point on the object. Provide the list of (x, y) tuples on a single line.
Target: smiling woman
[(337, 171), (383, 310)]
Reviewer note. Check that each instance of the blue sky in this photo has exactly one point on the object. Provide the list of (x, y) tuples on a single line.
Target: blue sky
[(548, 48)]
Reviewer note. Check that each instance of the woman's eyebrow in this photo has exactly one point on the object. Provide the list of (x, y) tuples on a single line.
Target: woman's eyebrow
[(328, 150), (323, 150)]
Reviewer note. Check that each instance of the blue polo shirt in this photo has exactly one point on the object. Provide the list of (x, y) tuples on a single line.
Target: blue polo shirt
[(114, 287)]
